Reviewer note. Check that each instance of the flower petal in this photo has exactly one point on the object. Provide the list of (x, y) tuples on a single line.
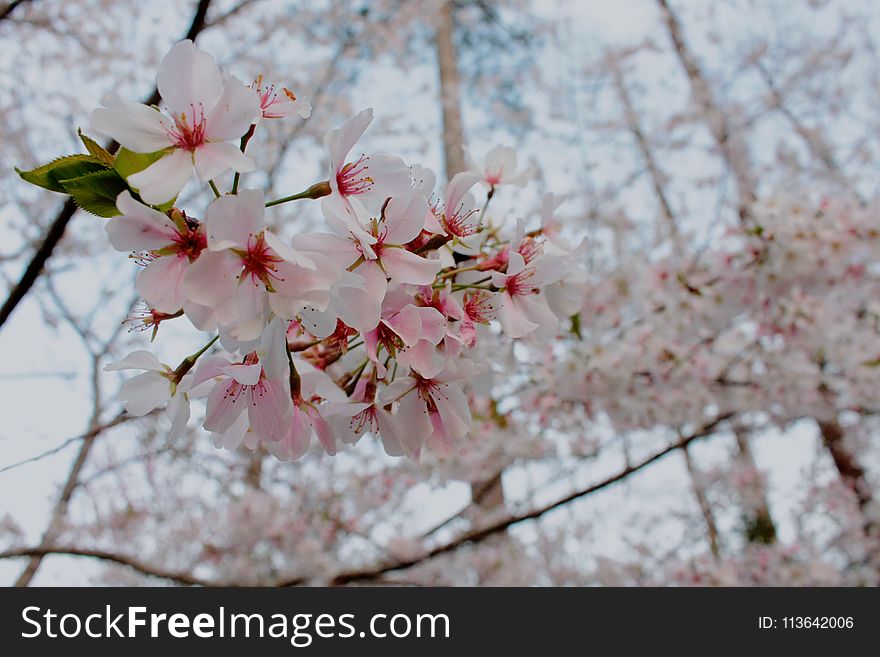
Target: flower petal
[(213, 159), (406, 267), (212, 279), (160, 283), (137, 127), (405, 217), (139, 227), (136, 360), (339, 141), (232, 220), (189, 78), (145, 392), (236, 109), (225, 404), (163, 179)]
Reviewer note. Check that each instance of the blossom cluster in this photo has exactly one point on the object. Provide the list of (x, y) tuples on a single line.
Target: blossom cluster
[(779, 319), (370, 327)]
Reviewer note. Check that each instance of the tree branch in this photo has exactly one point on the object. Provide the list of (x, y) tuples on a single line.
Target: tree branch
[(130, 562), (481, 534)]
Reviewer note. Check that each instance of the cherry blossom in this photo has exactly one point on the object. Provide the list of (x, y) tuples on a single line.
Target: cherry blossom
[(156, 387), (204, 113), (368, 180), (247, 271), (499, 168), (275, 105), (169, 243)]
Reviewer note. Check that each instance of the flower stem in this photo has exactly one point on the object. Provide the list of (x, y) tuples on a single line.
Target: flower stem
[(243, 146), (315, 191), (187, 363), (486, 204)]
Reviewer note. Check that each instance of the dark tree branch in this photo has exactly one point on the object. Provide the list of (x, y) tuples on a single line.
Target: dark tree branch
[(130, 562), (6, 11), (481, 534)]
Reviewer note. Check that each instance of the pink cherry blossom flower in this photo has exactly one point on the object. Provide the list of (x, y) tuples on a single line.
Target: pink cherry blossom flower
[(433, 410), (406, 331), (381, 260), (478, 308), (368, 180), (204, 113), (275, 105), (365, 414), (259, 384), (154, 388), (499, 168), (519, 311), (307, 418), (170, 244), (248, 271)]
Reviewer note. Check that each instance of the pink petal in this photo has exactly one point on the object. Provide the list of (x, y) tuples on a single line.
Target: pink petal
[(406, 267), (160, 283), (296, 441), (323, 430), (513, 317), (212, 279), (225, 403), (270, 410), (140, 227), (405, 217), (232, 220), (407, 324)]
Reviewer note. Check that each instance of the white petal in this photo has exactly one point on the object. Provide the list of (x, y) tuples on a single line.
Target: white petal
[(139, 227), (136, 360), (236, 109), (145, 392), (136, 126), (162, 181), (187, 78), (212, 159), (178, 413)]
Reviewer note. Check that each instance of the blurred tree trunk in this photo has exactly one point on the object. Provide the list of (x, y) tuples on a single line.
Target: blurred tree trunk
[(759, 525), (488, 494), (450, 91)]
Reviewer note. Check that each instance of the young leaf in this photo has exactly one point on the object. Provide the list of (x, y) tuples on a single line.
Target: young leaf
[(96, 150), (96, 192), (49, 176)]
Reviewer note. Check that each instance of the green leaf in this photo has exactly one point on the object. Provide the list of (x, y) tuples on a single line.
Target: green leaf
[(96, 192), (95, 149), (49, 176), (128, 162)]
